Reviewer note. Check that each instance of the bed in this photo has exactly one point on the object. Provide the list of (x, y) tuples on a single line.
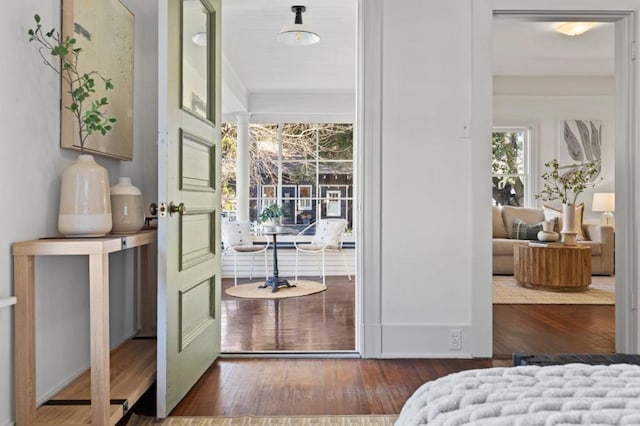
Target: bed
[(570, 394)]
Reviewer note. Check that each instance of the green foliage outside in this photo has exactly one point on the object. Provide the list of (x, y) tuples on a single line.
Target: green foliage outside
[(507, 189)]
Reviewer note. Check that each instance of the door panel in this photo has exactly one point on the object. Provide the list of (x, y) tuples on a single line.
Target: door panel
[(188, 159)]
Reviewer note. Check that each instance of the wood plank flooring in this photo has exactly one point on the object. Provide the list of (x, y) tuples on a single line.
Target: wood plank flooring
[(318, 322), (553, 329), (271, 386)]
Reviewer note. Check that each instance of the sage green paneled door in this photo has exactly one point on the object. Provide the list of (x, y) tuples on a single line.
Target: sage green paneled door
[(188, 176)]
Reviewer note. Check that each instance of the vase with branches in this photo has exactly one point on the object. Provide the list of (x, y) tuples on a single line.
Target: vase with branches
[(85, 204), (566, 183), (90, 114)]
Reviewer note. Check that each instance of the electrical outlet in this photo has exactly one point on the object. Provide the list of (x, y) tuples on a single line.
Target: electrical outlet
[(455, 339)]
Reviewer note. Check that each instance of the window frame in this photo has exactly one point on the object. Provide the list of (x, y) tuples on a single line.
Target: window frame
[(529, 165)]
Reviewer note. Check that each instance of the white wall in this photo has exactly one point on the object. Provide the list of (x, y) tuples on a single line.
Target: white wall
[(31, 165), (543, 103), (426, 233)]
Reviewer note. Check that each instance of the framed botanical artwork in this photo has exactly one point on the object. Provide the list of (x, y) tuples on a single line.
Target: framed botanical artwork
[(104, 30), (580, 142)]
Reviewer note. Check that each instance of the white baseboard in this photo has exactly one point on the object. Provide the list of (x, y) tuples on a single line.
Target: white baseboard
[(9, 423), (424, 341)]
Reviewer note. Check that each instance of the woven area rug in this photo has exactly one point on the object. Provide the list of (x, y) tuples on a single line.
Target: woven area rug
[(251, 290), (507, 291), (368, 420)]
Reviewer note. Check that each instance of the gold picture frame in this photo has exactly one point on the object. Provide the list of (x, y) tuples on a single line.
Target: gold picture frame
[(105, 31)]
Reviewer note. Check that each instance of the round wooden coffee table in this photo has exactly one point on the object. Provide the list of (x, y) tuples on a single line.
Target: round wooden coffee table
[(560, 268)]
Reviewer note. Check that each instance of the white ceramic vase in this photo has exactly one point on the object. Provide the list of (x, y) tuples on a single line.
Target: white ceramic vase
[(568, 230), (85, 205), (547, 233), (127, 207)]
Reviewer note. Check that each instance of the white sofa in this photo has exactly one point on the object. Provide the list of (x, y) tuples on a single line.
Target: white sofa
[(599, 238)]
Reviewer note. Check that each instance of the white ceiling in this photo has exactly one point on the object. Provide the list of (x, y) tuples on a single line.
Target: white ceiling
[(249, 29), (525, 48), (262, 65)]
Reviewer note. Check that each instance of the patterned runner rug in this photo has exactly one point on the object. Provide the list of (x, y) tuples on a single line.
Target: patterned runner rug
[(507, 291), (366, 420)]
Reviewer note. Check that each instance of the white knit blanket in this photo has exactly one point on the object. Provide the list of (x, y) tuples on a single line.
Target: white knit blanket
[(571, 394)]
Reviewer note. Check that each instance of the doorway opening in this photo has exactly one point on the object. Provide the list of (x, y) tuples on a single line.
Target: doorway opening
[(288, 141), (547, 89)]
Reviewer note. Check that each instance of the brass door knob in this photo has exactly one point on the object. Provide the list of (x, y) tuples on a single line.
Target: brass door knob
[(173, 208)]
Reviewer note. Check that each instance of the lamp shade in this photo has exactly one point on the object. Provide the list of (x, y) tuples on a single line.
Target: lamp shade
[(298, 34), (604, 202)]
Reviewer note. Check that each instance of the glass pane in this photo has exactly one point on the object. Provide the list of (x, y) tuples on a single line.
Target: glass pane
[(298, 172), (508, 191), (508, 152), (263, 141), (299, 141), (195, 59), (336, 173), (304, 197), (264, 172), (335, 141)]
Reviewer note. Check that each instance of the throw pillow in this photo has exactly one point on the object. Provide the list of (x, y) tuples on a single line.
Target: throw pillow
[(525, 231), (528, 231), (525, 214), (552, 213)]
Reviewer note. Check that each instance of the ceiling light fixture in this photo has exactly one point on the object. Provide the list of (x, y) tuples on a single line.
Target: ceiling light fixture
[(574, 28), (200, 39), (298, 34)]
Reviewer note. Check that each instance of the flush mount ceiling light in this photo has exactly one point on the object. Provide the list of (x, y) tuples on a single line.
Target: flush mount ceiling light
[(298, 34), (575, 28), (200, 39)]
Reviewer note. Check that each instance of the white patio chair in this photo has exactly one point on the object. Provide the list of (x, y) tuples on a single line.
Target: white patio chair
[(328, 237), (237, 239)]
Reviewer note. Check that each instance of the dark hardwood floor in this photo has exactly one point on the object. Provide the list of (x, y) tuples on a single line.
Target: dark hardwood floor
[(318, 322), (299, 386), (553, 329)]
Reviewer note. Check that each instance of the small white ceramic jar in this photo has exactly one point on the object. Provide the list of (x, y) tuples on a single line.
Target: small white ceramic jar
[(127, 207)]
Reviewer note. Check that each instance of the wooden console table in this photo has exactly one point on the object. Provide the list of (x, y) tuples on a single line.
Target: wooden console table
[(562, 268), (102, 395)]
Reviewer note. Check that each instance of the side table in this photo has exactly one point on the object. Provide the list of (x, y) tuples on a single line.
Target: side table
[(102, 395), (275, 281), (560, 268)]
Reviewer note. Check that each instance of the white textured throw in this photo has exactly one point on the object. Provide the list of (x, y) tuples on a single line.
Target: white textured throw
[(571, 394)]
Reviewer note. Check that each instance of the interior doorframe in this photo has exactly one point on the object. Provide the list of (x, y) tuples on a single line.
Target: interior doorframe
[(624, 13), (368, 174)]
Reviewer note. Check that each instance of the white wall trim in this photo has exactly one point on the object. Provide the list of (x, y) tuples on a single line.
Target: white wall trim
[(481, 333), (425, 341), (627, 155), (368, 173), (627, 184)]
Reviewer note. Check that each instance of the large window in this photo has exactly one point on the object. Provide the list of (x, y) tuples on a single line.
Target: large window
[(306, 168), (510, 169)]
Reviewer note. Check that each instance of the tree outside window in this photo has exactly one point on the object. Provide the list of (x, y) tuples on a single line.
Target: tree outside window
[(298, 157), (509, 166)]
